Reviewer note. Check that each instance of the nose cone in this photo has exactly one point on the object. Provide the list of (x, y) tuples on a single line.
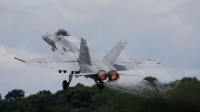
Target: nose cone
[(44, 36)]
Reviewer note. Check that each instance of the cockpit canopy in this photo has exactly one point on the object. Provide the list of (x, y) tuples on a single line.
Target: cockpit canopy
[(62, 32)]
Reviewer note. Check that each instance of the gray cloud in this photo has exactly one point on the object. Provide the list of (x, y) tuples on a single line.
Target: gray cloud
[(164, 31)]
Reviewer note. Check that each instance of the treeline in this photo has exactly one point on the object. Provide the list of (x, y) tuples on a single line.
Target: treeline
[(180, 96)]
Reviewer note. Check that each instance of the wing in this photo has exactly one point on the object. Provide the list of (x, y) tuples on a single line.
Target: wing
[(63, 48), (130, 64), (55, 62)]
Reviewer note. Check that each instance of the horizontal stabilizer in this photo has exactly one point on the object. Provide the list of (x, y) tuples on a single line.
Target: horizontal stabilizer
[(131, 75), (85, 74), (122, 73)]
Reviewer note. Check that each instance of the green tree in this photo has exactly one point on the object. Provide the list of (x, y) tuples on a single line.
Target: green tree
[(14, 94), (79, 85), (0, 97), (185, 95), (150, 79), (80, 96), (189, 79), (47, 92)]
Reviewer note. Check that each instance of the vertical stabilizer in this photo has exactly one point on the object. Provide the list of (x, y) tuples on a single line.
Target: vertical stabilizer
[(115, 52), (84, 55)]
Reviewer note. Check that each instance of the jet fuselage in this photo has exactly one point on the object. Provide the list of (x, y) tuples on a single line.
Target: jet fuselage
[(99, 64)]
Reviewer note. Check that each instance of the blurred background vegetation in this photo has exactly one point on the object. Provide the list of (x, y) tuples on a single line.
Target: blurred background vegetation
[(177, 96)]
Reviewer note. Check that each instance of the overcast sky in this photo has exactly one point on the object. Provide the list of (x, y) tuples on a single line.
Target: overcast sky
[(164, 30)]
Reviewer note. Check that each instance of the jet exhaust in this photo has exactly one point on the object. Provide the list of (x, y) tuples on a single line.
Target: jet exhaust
[(113, 76), (103, 76)]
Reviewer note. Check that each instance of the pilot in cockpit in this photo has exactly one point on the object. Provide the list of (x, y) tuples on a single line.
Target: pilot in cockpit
[(62, 32)]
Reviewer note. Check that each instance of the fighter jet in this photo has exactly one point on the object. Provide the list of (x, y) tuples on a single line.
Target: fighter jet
[(77, 58)]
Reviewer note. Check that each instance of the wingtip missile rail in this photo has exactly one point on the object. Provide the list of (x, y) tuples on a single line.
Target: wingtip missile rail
[(20, 60)]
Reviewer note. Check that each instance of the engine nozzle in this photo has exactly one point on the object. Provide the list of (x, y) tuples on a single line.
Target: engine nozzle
[(113, 76), (103, 76)]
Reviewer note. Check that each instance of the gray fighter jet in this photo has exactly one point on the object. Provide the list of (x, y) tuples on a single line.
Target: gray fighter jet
[(81, 61)]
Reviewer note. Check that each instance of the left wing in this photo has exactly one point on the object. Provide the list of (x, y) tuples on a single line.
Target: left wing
[(63, 48), (54, 62), (130, 64)]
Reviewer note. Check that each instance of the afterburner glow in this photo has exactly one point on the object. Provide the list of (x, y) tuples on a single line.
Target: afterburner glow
[(103, 76), (113, 76)]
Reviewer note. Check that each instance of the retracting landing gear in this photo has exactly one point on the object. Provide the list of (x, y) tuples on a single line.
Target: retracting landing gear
[(100, 84), (65, 84)]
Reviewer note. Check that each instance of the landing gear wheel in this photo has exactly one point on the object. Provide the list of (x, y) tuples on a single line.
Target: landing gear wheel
[(64, 71), (59, 71), (65, 85), (100, 86)]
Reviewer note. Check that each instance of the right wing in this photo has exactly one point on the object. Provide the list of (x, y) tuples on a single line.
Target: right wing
[(55, 62), (130, 64)]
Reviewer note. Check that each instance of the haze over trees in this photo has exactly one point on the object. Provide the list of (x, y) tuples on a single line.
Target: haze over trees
[(175, 96)]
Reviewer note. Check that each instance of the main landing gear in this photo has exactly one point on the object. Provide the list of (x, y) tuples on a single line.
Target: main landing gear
[(100, 85), (65, 84)]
